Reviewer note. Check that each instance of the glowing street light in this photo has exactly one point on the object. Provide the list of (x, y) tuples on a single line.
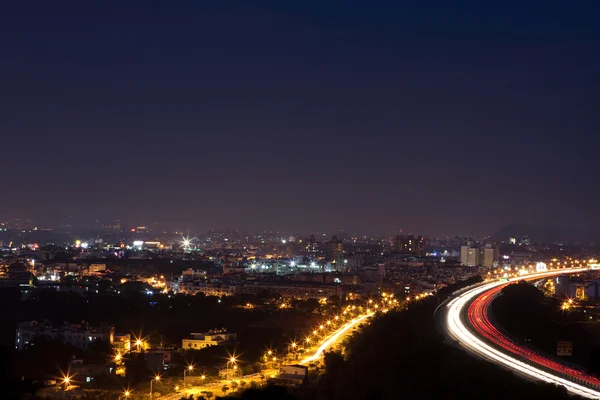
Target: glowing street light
[(125, 394), (155, 379), (66, 381), (232, 360), (189, 369)]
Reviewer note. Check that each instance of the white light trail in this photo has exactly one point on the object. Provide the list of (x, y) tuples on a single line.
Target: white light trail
[(459, 331), (331, 339)]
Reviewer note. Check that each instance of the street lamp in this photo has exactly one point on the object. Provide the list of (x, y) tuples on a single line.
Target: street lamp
[(190, 368), (231, 360), (66, 381), (125, 394), (156, 379)]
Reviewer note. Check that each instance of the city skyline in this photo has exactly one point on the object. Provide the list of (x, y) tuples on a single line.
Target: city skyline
[(304, 117)]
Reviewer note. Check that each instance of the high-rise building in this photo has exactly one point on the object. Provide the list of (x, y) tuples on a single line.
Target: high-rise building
[(472, 256), (334, 249), (311, 245), (488, 255), (409, 244), (469, 256)]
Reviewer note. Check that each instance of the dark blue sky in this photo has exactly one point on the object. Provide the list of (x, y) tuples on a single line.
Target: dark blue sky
[(430, 116)]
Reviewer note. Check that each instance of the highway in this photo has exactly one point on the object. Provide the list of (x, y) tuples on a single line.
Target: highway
[(466, 321)]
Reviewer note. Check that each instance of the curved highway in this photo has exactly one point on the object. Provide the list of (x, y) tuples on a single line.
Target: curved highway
[(467, 322)]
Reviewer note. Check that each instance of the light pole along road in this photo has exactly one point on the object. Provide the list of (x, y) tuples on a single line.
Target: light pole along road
[(326, 343), (466, 321), (335, 337)]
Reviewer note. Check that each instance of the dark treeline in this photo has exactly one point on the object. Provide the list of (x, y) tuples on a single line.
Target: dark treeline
[(402, 355), (164, 319), (537, 321)]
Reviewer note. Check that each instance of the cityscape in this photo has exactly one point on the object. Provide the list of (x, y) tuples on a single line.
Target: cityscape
[(299, 201), (136, 312)]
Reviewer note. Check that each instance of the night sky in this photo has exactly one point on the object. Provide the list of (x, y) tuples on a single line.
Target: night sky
[(300, 115)]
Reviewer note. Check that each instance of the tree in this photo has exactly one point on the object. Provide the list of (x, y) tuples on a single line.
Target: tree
[(224, 389), (234, 386), (135, 368), (242, 384), (334, 362), (208, 395)]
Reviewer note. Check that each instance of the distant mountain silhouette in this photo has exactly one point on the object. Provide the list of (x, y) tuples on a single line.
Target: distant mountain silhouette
[(550, 234)]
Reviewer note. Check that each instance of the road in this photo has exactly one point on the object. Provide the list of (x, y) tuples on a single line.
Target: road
[(335, 337), (466, 320), (326, 343)]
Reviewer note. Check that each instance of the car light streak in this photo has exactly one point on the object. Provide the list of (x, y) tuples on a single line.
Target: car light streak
[(466, 338)]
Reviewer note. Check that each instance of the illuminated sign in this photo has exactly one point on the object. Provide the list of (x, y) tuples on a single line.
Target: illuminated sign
[(540, 267)]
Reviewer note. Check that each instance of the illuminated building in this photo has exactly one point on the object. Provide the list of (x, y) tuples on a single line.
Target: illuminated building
[(333, 249), (78, 335), (311, 245), (295, 290), (469, 256), (209, 339), (488, 255), (209, 289), (409, 244)]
